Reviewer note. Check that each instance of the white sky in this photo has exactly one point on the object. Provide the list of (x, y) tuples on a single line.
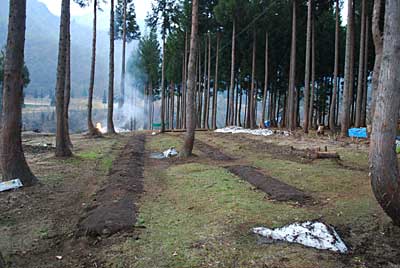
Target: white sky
[(142, 7)]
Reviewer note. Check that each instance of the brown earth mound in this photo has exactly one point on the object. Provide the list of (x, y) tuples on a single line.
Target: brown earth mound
[(274, 188), (212, 152), (114, 209)]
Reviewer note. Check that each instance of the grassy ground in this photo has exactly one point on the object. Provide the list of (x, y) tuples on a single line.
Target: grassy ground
[(194, 213), (197, 214)]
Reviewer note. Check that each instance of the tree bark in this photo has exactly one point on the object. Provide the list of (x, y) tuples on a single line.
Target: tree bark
[(67, 91), (62, 148), (171, 105), (163, 87), (332, 112), (252, 99), (232, 80), (352, 70), (203, 117), (312, 93), (307, 69), (361, 67), (110, 111), (92, 130), (151, 103), (12, 157), (206, 115), (185, 85), (345, 117), (215, 87), (264, 102), (292, 74), (122, 97), (377, 36), (190, 108), (365, 77), (385, 175), (199, 92)]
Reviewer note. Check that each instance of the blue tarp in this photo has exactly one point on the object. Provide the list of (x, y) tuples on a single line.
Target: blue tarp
[(358, 133)]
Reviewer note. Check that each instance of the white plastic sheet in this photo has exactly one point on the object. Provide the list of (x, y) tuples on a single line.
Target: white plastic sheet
[(240, 130), (171, 152), (10, 185), (311, 234)]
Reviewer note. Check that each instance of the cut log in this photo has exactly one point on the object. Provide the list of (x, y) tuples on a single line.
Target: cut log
[(324, 155)]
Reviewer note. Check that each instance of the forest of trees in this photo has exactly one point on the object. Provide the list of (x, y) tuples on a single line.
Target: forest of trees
[(289, 62)]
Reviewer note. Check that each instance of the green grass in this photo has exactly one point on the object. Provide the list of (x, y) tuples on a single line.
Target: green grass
[(200, 215), (203, 218)]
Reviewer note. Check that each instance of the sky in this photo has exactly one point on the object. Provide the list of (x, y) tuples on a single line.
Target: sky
[(142, 8)]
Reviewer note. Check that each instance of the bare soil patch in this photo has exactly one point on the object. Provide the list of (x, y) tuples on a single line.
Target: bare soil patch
[(274, 188), (114, 209), (212, 152)]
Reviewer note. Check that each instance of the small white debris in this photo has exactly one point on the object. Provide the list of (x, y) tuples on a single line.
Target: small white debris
[(311, 234), (10, 185), (153, 133), (171, 152), (59, 258)]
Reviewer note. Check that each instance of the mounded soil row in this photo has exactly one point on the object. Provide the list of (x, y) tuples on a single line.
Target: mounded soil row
[(212, 152), (274, 188), (114, 209)]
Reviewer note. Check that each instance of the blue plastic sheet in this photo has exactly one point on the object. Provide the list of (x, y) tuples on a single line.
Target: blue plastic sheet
[(358, 133)]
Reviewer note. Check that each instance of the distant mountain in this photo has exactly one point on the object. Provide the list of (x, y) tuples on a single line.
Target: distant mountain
[(41, 49)]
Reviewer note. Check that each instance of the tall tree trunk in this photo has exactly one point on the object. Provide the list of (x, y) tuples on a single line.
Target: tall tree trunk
[(332, 112), (204, 85), (292, 74), (253, 100), (180, 96), (307, 68), (122, 96), (206, 115), (352, 69), (377, 36), (67, 91), (110, 103), (227, 107), (163, 87), (190, 108), (178, 109), (345, 117), (171, 105), (13, 163), (312, 93), (92, 130), (232, 80), (383, 159), (365, 77), (62, 148), (199, 92), (215, 87), (264, 102), (361, 67), (185, 77), (151, 103), (237, 104), (240, 106)]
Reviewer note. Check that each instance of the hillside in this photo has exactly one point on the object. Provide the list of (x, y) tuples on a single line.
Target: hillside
[(42, 47)]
